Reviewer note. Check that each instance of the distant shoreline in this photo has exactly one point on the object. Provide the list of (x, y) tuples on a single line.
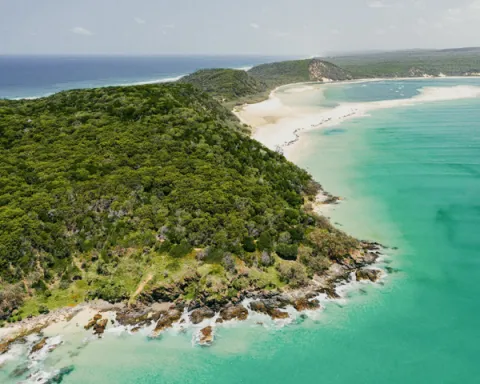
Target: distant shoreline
[(279, 126)]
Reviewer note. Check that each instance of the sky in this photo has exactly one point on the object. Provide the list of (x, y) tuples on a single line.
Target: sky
[(307, 27)]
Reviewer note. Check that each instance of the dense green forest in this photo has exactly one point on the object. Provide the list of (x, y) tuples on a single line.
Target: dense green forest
[(100, 187), (226, 84)]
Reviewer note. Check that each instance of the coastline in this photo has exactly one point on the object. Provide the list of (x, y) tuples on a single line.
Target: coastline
[(279, 126)]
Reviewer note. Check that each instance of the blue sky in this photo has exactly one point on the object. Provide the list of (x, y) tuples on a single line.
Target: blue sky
[(307, 27)]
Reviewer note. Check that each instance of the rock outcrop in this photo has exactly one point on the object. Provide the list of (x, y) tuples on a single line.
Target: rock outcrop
[(200, 314), (166, 320), (234, 312), (206, 336), (368, 274)]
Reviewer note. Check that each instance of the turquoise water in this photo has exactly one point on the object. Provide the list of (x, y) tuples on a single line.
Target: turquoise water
[(411, 179)]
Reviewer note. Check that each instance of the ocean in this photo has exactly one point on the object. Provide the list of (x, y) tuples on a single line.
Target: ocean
[(409, 177), (36, 76)]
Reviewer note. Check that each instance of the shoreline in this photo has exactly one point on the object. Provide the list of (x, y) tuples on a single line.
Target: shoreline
[(279, 127)]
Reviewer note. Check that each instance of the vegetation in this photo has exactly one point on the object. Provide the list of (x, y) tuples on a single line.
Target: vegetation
[(124, 191), (451, 62), (297, 71), (226, 85)]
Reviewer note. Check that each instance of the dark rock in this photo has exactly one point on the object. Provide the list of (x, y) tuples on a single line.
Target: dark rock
[(99, 327), (234, 312), (330, 292), (19, 371), (268, 307), (198, 315), (37, 347), (58, 378), (277, 314), (368, 274), (303, 304), (166, 320), (4, 347)]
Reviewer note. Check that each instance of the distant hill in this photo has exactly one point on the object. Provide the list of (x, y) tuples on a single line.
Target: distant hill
[(295, 71), (232, 86), (412, 63), (226, 84)]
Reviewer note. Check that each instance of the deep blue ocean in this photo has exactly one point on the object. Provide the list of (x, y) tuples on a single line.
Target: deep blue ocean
[(35, 76)]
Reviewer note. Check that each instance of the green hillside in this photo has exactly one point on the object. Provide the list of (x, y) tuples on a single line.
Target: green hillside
[(226, 84), (296, 71), (101, 189)]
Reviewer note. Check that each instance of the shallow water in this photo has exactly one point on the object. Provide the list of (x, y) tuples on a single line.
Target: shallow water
[(411, 179)]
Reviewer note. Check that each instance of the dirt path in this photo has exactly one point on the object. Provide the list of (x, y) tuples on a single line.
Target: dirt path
[(140, 287)]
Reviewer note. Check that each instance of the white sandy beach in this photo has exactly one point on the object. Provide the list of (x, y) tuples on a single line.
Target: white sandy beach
[(278, 126)]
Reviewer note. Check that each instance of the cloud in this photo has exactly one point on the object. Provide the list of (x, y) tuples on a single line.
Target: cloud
[(254, 25), (139, 20), (81, 31), (335, 31), (378, 4)]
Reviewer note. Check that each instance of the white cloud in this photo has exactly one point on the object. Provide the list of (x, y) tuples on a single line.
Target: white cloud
[(81, 31), (139, 20), (378, 4), (254, 25)]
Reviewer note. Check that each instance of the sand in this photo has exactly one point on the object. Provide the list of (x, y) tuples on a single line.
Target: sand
[(279, 126)]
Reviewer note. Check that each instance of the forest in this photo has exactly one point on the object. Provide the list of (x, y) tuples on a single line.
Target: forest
[(100, 186)]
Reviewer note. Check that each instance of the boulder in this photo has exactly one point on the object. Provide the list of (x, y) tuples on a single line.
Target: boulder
[(99, 327), (276, 314), (303, 304), (166, 320), (4, 347), (368, 274), (267, 307), (234, 312), (198, 315), (206, 336), (38, 346), (93, 321)]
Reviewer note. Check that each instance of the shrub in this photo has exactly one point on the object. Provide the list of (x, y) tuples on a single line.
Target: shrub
[(287, 251), (266, 259), (315, 263), (181, 250), (249, 244), (292, 273), (265, 242), (109, 290)]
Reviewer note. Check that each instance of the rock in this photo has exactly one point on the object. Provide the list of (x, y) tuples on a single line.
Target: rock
[(234, 312), (219, 320), (135, 330), (198, 315), (267, 307), (37, 347), (277, 314), (206, 336), (58, 378), (19, 371), (368, 274), (330, 292), (4, 347), (166, 321), (93, 321), (99, 327), (303, 304)]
